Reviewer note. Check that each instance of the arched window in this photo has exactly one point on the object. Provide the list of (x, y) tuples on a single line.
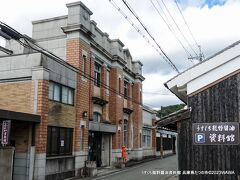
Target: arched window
[(96, 117), (125, 133)]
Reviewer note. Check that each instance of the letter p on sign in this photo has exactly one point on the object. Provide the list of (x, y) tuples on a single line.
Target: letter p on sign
[(199, 137)]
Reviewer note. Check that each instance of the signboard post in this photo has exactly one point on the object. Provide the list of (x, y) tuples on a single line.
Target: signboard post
[(6, 126), (224, 133)]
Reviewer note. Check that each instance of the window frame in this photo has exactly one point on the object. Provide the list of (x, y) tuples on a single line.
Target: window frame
[(125, 132), (147, 138), (58, 149), (119, 86), (99, 116), (97, 74), (126, 89), (69, 90), (84, 67)]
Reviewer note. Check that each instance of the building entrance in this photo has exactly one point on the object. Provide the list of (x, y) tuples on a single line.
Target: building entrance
[(95, 147)]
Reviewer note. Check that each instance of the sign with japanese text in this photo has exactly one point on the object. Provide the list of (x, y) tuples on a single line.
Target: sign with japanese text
[(224, 133), (6, 126)]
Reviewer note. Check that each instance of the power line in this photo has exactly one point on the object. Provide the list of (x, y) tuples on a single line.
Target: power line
[(201, 55), (165, 57), (139, 31), (178, 27), (134, 26), (185, 22), (158, 93), (172, 30)]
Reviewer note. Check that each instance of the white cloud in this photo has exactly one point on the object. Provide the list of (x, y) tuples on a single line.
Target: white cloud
[(214, 28)]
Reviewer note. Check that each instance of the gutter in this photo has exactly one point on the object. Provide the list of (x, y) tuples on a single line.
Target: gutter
[(185, 102)]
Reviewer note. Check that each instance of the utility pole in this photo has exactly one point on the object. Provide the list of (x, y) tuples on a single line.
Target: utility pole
[(200, 57)]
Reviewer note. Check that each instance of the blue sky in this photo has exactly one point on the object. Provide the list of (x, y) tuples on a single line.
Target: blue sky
[(201, 3), (212, 3)]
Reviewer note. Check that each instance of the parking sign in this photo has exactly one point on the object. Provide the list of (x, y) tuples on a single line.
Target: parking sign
[(223, 133), (199, 138)]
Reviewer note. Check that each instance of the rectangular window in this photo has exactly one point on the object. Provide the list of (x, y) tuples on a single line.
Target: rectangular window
[(59, 141), (97, 74), (54, 91), (108, 81), (119, 86), (50, 93), (67, 95), (96, 117), (126, 89), (147, 137), (125, 133), (84, 67), (64, 94), (60, 93)]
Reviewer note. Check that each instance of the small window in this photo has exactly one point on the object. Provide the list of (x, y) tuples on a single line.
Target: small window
[(64, 94), (59, 141), (67, 95), (97, 75), (108, 81), (125, 133), (96, 117), (147, 137), (119, 86), (126, 89), (54, 91), (84, 67), (61, 93), (51, 87)]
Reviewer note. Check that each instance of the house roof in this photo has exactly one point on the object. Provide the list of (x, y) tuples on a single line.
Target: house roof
[(206, 72), (174, 117)]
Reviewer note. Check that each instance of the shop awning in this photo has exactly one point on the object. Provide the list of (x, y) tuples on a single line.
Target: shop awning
[(19, 116)]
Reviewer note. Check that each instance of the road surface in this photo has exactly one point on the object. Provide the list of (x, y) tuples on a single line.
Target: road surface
[(145, 171)]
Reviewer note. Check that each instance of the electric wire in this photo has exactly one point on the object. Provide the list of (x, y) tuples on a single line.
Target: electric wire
[(134, 26), (171, 29), (179, 9), (165, 57), (158, 93), (178, 27), (139, 31)]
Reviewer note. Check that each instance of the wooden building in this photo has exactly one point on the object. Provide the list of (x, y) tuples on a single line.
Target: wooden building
[(211, 90)]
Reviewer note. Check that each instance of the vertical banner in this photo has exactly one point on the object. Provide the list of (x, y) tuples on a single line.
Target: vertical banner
[(6, 127)]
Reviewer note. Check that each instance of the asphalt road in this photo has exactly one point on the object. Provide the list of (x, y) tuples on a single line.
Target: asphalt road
[(138, 172)]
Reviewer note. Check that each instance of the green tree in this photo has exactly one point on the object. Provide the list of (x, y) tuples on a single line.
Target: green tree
[(166, 110)]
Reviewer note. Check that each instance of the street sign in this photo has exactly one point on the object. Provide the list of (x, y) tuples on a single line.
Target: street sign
[(224, 133), (6, 126)]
